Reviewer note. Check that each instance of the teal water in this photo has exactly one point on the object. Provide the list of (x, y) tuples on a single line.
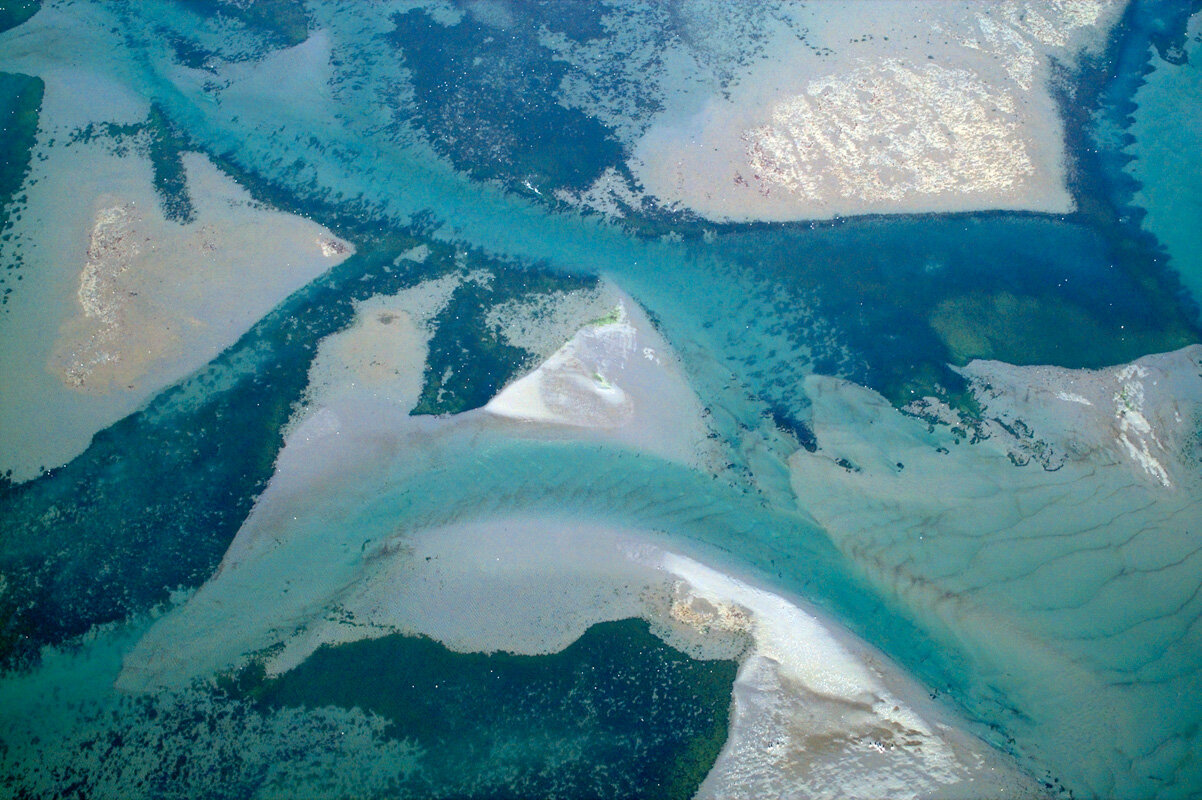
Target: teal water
[(1164, 127), (618, 713), (15, 12), (20, 98), (396, 717), (366, 138)]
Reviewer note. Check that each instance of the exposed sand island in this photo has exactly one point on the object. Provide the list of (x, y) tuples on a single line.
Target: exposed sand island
[(118, 301), (867, 107), (616, 379), (354, 432)]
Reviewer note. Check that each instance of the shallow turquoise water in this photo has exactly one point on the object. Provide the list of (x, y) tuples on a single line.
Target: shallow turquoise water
[(1164, 128), (752, 310), (618, 713)]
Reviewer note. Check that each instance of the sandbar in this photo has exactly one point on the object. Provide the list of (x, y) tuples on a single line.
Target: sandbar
[(860, 108), (117, 301)]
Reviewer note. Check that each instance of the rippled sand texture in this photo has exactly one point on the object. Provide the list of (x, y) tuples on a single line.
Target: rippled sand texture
[(1059, 550), (816, 711), (867, 108), (355, 429)]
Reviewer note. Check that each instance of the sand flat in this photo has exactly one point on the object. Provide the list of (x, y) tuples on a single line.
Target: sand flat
[(878, 107), (322, 560), (117, 301)]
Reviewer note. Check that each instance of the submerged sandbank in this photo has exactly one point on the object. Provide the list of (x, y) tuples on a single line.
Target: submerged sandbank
[(1054, 544), (117, 300), (354, 430), (816, 712), (1167, 129), (615, 380)]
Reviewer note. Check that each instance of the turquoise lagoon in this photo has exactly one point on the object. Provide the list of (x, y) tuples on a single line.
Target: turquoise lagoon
[(1042, 591)]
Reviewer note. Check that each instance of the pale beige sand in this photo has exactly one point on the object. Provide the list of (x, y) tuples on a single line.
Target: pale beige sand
[(354, 430), (375, 355), (381, 355), (876, 107), (365, 379), (614, 380), (1140, 415), (118, 302), (816, 712), (157, 299)]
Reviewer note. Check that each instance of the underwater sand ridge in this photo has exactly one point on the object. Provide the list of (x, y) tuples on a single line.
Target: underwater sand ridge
[(1054, 545)]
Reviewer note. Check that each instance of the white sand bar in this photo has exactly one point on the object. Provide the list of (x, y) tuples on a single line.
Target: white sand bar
[(816, 712), (617, 380)]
